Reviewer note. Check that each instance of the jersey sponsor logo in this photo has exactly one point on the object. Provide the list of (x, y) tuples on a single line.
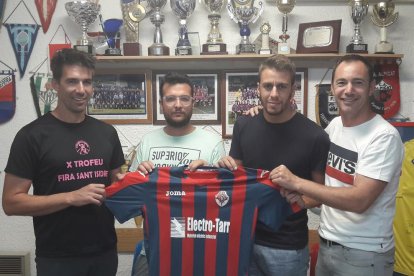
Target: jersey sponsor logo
[(175, 193), (178, 227), (222, 198), (189, 227), (341, 164), (82, 147)]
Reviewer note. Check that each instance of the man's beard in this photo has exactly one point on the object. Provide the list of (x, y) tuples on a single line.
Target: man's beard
[(179, 124)]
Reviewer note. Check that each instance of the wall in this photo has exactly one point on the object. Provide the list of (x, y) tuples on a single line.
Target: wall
[(16, 233)]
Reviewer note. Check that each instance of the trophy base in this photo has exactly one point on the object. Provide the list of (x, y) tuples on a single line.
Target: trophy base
[(214, 49), (357, 48), (184, 51), (84, 48), (265, 51), (384, 48), (246, 49), (132, 49), (283, 48), (158, 50), (113, 52)]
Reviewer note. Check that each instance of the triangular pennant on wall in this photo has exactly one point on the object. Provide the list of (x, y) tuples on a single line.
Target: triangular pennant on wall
[(45, 9), (44, 96), (7, 95), (23, 38)]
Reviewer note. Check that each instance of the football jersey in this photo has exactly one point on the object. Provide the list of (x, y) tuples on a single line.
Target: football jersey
[(202, 222)]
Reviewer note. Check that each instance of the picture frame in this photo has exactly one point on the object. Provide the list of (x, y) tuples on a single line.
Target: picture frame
[(122, 98), (206, 108), (319, 37), (241, 88), (239, 94)]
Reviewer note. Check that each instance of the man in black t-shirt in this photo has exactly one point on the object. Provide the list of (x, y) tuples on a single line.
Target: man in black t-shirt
[(279, 135), (69, 158)]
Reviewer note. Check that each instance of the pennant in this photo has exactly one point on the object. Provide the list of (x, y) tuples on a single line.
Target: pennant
[(44, 96), (386, 98), (7, 95), (45, 9), (2, 6), (53, 48), (23, 38), (325, 105)]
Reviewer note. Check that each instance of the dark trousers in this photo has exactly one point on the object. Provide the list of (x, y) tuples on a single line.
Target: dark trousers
[(105, 264)]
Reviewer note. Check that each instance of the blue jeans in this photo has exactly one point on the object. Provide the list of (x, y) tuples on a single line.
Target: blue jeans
[(337, 260), (273, 262)]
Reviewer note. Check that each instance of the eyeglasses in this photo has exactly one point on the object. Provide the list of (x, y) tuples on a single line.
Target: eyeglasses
[(184, 100)]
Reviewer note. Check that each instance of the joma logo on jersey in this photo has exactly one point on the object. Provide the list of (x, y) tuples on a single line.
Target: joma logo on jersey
[(341, 164), (175, 193)]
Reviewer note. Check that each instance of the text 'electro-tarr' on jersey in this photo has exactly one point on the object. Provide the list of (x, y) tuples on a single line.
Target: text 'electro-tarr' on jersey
[(192, 228)]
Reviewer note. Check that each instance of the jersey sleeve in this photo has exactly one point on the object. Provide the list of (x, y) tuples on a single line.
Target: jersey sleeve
[(125, 198)]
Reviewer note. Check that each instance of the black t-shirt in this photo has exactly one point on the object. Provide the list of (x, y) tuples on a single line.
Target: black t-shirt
[(61, 157), (299, 144)]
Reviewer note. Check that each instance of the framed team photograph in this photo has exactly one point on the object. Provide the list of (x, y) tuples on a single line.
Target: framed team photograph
[(122, 98), (240, 94), (206, 105)]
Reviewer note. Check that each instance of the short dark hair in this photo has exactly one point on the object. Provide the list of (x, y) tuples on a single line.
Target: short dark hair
[(354, 58), (70, 56), (172, 78), (279, 63)]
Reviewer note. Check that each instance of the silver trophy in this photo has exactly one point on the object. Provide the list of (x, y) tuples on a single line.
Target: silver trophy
[(358, 8), (84, 13), (244, 12), (158, 48), (183, 9), (285, 7), (214, 45), (384, 16), (133, 12)]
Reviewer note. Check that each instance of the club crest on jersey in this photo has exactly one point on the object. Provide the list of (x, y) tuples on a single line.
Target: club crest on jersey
[(222, 198)]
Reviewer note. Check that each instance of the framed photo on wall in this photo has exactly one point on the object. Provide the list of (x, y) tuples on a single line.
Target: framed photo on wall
[(122, 98), (206, 106), (240, 94)]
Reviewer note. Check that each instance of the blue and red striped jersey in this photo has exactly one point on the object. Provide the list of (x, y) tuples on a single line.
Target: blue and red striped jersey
[(202, 222)]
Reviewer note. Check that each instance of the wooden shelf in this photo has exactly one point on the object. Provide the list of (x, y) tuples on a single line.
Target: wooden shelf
[(225, 62)]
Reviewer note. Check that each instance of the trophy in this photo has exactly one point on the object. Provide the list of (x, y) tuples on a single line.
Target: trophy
[(214, 45), (244, 12), (133, 13), (111, 30), (84, 13), (183, 9), (285, 7), (384, 16), (265, 30), (158, 48), (359, 9)]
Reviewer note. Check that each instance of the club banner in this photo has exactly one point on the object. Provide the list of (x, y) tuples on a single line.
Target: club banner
[(44, 96), (7, 95), (23, 38), (386, 98), (45, 9), (325, 105)]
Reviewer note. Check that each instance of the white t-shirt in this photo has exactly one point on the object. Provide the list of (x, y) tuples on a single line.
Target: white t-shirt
[(372, 149)]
